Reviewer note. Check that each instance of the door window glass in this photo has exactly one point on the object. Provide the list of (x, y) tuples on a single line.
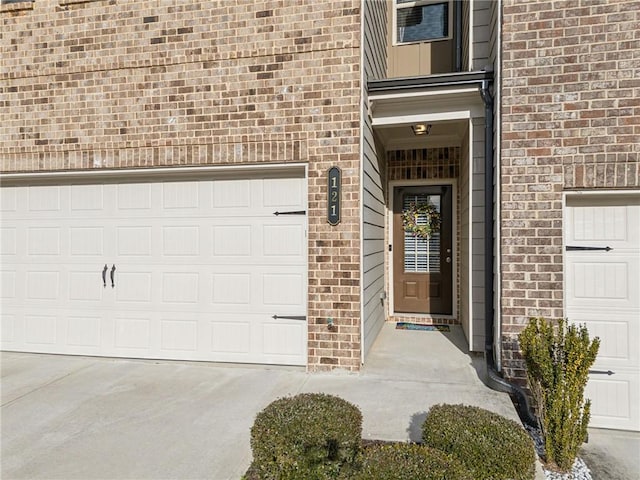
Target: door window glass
[(421, 255)]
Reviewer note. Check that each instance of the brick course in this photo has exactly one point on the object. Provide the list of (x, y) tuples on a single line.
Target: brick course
[(121, 84), (570, 120)]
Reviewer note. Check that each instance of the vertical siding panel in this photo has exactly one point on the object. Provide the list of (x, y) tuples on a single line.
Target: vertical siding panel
[(375, 67), (481, 34)]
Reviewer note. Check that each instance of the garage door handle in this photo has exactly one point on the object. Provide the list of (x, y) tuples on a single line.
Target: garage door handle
[(104, 276), (601, 372), (295, 212), (571, 248), (289, 317), (113, 276)]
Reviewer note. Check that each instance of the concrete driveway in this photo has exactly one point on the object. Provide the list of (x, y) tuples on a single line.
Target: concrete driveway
[(95, 418)]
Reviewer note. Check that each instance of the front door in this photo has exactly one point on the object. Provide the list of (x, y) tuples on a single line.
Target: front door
[(422, 264)]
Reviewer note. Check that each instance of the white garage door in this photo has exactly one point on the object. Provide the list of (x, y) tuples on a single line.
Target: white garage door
[(192, 270), (603, 292)]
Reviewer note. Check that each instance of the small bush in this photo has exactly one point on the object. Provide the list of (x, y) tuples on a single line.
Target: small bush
[(407, 461), (558, 358), (310, 436), (488, 445)]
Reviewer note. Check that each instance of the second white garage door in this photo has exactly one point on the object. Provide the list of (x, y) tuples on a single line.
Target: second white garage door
[(603, 292), (192, 270)]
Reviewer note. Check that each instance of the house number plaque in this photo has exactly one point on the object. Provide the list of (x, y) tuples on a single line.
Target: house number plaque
[(334, 192)]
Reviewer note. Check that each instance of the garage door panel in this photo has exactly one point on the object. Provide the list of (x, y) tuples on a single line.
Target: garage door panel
[(7, 328), (282, 240), (616, 335), (181, 241), (231, 337), (258, 339), (228, 194), (41, 330), (231, 289), (200, 268), (231, 241), (85, 333), (45, 198), (133, 196), (133, 286), (282, 290), (283, 339), (43, 241), (282, 192), (180, 195), (133, 241), (8, 283), (43, 285), (87, 198), (603, 278), (602, 291), (133, 332), (180, 287), (8, 243), (9, 200), (592, 221), (86, 242), (614, 400), (179, 335), (85, 286)]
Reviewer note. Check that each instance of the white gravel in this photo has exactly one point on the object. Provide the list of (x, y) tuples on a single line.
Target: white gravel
[(579, 471)]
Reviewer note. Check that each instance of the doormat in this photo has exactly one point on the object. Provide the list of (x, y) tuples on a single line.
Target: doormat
[(419, 326)]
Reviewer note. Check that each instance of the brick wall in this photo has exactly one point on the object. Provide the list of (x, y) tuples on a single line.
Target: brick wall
[(123, 83), (570, 120)]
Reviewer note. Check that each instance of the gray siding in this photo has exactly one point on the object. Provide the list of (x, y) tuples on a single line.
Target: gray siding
[(465, 231), (482, 10), (477, 235), (375, 66), (465, 34)]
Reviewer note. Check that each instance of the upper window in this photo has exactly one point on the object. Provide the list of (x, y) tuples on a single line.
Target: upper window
[(422, 20)]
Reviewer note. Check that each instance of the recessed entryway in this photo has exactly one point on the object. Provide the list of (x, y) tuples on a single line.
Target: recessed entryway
[(422, 275)]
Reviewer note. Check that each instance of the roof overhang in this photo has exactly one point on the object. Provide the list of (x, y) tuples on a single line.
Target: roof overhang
[(451, 96), (445, 102)]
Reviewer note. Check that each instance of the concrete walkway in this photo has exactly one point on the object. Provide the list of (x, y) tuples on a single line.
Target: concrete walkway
[(95, 418)]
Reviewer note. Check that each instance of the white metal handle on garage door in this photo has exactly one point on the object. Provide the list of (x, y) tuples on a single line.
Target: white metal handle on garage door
[(112, 275)]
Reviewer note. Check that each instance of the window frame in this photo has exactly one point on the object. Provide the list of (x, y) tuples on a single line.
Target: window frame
[(421, 3)]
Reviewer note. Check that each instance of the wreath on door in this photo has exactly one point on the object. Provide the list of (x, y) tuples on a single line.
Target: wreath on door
[(429, 217)]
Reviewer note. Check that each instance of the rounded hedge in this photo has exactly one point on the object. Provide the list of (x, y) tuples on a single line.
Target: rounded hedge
[(312, 436), (488, 445), (408, 461)]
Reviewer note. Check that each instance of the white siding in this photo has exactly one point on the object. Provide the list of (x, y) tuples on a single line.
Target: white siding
[(375, 66)]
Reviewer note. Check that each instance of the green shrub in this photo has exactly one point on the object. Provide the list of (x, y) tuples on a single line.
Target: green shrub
[(311, 436), (558, 358), (488, 445), (407, 461)]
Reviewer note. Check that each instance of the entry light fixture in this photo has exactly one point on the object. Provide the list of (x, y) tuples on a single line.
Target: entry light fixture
[(421, 129)]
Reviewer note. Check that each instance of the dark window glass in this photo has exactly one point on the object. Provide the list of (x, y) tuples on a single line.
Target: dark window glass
[(426, 22)]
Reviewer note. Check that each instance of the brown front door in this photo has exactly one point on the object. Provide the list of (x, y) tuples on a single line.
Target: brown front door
[(422, 267)]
